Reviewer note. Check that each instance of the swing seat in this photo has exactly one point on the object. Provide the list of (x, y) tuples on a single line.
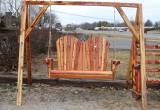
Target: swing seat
[(81, 74), (82, 59)]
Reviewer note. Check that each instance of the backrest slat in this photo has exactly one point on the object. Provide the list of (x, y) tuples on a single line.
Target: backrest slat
[(91, 55)]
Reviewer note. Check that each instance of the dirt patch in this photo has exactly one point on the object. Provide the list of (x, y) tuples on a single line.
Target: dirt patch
[(47, 97), (68, 96)]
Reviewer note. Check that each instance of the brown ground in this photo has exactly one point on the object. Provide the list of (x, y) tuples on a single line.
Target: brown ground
[(49, 97), (72, 95)]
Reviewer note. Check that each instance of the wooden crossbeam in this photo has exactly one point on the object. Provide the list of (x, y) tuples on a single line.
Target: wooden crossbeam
[(36, 20), (128, 23), (111, 4)]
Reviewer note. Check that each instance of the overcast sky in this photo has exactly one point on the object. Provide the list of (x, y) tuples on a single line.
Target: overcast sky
[(151, 10)]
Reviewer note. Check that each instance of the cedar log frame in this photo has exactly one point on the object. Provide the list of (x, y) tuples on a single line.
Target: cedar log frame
[(137, 31)]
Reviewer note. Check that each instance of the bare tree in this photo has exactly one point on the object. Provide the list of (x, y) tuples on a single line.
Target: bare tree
[(14, 6), (47, 17)]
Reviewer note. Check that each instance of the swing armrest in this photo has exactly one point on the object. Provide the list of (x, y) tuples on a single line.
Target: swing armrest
[(49, 62), (114, 64)]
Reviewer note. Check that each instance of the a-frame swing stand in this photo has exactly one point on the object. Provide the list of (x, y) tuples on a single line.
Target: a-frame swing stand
[(137, 30)]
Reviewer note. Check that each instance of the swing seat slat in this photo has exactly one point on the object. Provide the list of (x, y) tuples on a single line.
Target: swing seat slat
[(81, 74)]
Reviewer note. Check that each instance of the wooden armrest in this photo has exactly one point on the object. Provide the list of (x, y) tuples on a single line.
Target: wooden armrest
[(49, 62), (115, 62)]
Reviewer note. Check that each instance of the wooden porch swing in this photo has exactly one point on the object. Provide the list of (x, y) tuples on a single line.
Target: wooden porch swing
[(79, 59), (68, 66)]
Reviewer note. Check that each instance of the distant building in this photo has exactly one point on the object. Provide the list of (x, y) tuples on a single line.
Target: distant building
[(8, 20), (111, 28)]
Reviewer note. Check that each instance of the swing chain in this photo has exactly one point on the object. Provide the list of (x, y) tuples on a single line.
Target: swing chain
[(114, 42), (50, 33)]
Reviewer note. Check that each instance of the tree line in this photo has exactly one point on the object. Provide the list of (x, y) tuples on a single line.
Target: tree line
[(14, 6), (91, 26)]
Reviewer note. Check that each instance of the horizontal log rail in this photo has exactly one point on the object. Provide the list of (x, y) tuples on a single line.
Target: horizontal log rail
[(81, 74), (111, 4), (149, 69), (149, 46), (149, 81), (152, 53), (153, 81), (151, 62), (152, 69), (152, 46)]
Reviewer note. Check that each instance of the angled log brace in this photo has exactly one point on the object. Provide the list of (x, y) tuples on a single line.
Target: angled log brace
[(36, 20), (128, 23)]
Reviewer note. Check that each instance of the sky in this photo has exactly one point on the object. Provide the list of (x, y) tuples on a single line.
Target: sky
[(71, 14)]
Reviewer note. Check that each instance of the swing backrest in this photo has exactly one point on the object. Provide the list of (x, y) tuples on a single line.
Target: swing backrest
[(90, 55)]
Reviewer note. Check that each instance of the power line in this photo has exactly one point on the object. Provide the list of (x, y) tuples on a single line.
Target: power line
[(84, 16)]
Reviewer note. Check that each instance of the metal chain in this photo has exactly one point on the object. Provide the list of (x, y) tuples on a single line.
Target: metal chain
[(114, 42), (50, 32)]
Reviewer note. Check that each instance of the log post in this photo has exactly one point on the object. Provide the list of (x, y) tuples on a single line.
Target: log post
[(21, 55), (28, 51), (133, 52), (142, 58)]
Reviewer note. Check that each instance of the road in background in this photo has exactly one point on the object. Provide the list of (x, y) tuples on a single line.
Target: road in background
[(121, 40)]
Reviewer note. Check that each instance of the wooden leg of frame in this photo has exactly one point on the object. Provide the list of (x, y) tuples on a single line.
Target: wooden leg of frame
[(28, 50), (21, 56), (28, 60), (143, 67)]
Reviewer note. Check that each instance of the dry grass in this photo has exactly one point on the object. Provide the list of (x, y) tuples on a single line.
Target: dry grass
[(123, 56), (39, 68)]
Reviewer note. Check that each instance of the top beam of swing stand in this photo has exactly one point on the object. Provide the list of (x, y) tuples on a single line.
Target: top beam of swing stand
[(109, 4)]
